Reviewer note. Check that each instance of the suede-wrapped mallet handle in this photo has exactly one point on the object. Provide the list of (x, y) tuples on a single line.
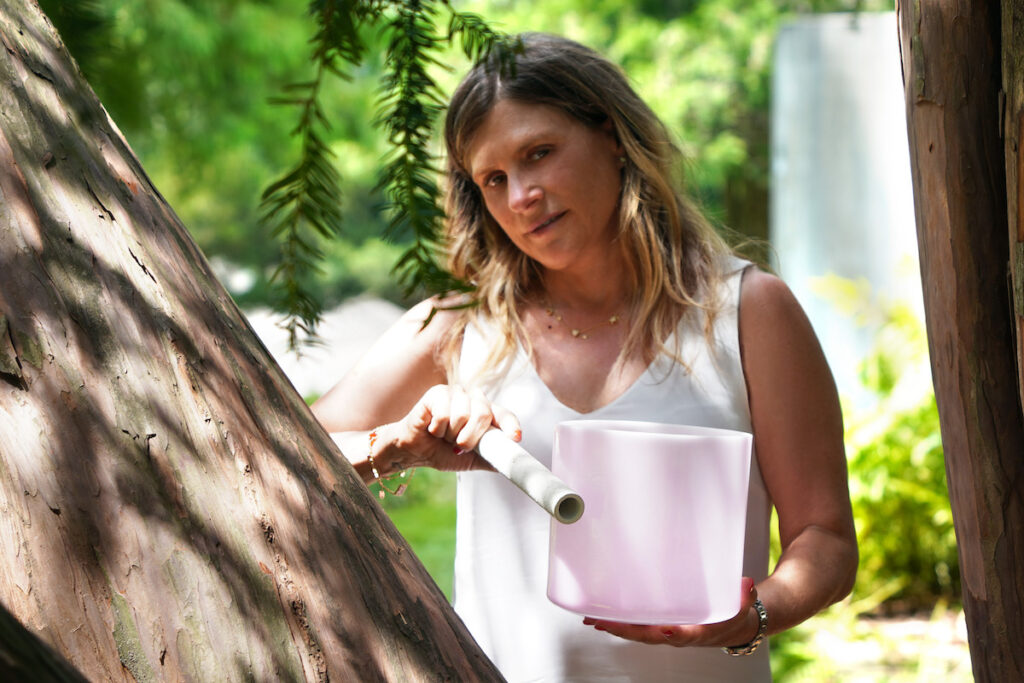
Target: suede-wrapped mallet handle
[(535, 480)]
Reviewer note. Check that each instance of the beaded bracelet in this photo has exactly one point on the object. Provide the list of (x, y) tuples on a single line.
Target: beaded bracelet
[(400, 489)]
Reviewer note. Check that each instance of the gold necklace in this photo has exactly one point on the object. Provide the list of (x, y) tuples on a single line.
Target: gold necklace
[(579, 333)]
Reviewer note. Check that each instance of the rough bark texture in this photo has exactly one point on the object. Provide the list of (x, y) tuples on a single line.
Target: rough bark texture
[(952, 76), (1013, 127), (169, 508), (23, 657)]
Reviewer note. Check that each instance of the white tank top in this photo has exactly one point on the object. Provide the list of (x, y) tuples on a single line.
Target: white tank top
[(502, 536)]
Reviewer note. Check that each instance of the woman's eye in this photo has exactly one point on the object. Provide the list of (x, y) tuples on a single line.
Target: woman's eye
[(494, 180), (540, 153)]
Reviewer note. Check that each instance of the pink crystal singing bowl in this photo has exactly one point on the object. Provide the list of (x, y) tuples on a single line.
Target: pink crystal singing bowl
[(661, 540)]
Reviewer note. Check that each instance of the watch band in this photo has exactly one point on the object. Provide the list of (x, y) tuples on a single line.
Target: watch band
[(762, 631)]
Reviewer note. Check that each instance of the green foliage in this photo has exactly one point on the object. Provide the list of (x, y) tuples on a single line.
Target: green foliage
[(189, 83), (897, 469), (704, 66), (425, 516), (83, 24), (722, 47), (908, 551), (410, 103), (303, 204), (898, 483)]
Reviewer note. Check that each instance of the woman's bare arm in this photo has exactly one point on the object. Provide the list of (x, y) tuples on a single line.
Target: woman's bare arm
[(398, 391), (798, 432), (388, 380)]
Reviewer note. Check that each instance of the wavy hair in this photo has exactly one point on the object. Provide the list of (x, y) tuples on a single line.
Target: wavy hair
[(673, 254)]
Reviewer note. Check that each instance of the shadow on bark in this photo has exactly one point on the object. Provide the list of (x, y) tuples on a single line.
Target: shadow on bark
[(23, 657), (171, 507)]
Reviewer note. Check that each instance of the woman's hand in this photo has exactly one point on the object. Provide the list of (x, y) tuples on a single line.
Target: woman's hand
[(397, 394), (442, 429), (739, 630)]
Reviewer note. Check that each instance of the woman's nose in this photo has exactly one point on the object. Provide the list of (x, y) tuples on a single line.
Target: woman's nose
[(523, 193)]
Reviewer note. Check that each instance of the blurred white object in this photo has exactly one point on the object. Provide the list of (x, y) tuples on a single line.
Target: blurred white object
[(346, 332), (841, 192)]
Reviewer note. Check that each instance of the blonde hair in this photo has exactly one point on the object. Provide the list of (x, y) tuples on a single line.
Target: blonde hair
[(674, 256)]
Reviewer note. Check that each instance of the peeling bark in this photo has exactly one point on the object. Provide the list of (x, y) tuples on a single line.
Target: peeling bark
[(954, 80), (169, 508)]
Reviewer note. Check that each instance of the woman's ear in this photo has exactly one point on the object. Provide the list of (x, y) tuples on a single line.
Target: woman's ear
[(608, 127)]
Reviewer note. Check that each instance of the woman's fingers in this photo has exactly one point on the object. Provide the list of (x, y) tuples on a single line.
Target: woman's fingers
[(477, 420), (507, 422), (458, 410), (462, 417), (652, 635), (448, 422), (735, 631), (420, 417), (437, 403), (748, 594)]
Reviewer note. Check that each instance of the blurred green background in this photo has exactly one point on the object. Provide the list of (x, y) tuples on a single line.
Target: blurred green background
[(188, 82)]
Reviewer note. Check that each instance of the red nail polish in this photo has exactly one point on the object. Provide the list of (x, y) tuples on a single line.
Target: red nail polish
[(517, 435), (668, 632), (457, 451)]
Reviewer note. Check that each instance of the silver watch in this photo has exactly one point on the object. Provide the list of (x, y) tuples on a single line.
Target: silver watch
[(762, 631)]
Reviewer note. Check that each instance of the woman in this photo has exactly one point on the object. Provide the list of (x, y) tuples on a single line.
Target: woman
[(601, 293)]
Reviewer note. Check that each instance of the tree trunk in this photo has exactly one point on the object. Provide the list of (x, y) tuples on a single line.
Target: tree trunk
[(169, 508), (952, 77), (23, 657), (1013, 126)]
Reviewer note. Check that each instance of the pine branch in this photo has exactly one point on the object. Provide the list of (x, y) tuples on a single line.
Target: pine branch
[(410, 105), (479, 41), (302, 206)]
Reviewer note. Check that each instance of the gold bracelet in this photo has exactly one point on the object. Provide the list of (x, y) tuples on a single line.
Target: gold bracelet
[(400, 489), (762, 631)]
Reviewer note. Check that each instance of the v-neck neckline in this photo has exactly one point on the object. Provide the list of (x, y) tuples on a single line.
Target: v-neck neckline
[(618, 398)]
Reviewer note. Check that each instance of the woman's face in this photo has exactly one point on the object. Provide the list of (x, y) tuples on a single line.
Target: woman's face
[(551, 182)]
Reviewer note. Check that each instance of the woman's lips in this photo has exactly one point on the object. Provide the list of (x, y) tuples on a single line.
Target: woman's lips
[(544, 224)]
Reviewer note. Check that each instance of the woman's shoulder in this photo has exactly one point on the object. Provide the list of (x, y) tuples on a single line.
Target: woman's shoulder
[(764, 296), (774, 329), (428, 322)]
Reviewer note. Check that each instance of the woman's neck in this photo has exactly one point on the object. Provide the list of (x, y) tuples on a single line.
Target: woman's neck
[(595, 292)]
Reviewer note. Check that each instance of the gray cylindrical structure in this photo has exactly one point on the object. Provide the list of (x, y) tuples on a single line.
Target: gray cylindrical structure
[(841, 200)]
